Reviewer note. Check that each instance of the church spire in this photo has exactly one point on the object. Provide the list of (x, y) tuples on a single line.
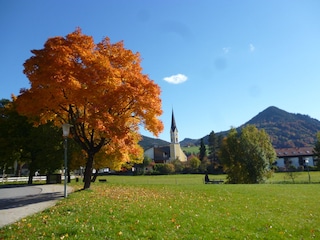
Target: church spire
[(173, 123), (174, 131)]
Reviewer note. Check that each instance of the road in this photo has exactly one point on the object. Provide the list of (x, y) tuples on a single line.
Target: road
[(17, 201)]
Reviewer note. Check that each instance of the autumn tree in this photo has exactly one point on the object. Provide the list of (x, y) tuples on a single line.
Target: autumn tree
[(99, 89), (247, 156)]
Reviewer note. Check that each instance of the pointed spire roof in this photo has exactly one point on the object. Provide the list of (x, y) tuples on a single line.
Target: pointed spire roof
[(173, 123)]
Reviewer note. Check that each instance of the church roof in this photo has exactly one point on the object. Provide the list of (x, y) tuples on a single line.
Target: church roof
[(173, 123)]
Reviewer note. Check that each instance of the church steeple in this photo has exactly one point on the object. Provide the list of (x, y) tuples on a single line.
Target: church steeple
[(173, 123), (174, 130), (175, 149)]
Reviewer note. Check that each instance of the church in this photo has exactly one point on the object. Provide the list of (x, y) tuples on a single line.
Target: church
[(168, 153)]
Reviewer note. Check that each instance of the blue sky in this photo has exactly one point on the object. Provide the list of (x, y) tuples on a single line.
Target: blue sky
[(218, 62)]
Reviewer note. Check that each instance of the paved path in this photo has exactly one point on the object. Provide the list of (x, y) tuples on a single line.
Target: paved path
[(17, 202)]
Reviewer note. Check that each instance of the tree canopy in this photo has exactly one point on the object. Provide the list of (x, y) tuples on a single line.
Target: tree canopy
[(202, 150), (212, 144), (247, 156), (316, 149), (38, 147), (99, 89)]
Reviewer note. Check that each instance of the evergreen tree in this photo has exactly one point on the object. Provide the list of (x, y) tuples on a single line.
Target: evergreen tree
[(212, 145), (316, 149), (203, 150)]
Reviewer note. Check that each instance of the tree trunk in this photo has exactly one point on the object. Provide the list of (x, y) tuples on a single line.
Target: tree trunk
[(18, 171), (95, 176), (88, 171), (32, 170), (31, 174), (69, 176)]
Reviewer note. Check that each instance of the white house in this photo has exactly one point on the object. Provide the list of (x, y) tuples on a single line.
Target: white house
[(298, 157)]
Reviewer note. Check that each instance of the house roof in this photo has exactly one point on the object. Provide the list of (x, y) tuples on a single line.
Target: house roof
[(294, 152)]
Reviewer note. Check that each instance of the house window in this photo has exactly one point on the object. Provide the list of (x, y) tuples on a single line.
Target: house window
[(301, 161)]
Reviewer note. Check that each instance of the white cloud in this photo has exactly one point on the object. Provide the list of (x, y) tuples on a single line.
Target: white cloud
[(252, 48), (176, 79)]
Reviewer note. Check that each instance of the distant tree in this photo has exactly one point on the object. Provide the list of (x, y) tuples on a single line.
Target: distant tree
[(194, 164), (316, 149), (164, 168), (178, 166), (292, 173), (212, 145), (99, 89), (247, 156), (40, 147), (202, 150), (204, 165), (8, 150), (4, 102), (43, 150), (76, 157), (141, 167)]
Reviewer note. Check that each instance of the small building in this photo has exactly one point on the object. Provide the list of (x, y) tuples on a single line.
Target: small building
[(159, 154), (297, 157), (165, 154)]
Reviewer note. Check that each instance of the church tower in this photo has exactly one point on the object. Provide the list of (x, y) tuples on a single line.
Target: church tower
[(174, 130), (175, 150)]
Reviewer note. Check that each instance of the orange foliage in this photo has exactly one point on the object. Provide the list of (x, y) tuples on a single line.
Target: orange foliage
[(98, 88)]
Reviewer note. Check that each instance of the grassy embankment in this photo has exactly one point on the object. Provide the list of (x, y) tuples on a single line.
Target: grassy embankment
[(179, 207)]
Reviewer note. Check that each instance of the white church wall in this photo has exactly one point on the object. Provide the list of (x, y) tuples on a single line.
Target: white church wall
[(149, 153)]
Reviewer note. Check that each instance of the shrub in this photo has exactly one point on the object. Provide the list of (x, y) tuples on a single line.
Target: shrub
[(163, 168)]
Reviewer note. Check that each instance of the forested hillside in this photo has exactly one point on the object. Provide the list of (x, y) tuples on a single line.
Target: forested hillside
[(285, 129)]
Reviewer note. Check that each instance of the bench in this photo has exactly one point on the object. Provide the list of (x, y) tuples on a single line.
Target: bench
[(103, 180), (214, 182)]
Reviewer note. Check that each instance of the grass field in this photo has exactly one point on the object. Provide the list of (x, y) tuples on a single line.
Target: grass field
[(179, 207), (192, 149)]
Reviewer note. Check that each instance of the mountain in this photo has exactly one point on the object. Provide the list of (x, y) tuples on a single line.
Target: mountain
[(285, 129), (148, 142)]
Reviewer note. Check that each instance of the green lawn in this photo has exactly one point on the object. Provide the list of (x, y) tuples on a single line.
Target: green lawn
[(179, 207), (192, 149)]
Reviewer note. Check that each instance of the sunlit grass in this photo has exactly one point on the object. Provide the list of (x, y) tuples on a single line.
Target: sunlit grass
[(177, 207)]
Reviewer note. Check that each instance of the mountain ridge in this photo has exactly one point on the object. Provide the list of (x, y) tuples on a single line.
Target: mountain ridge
[(285, 129)]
